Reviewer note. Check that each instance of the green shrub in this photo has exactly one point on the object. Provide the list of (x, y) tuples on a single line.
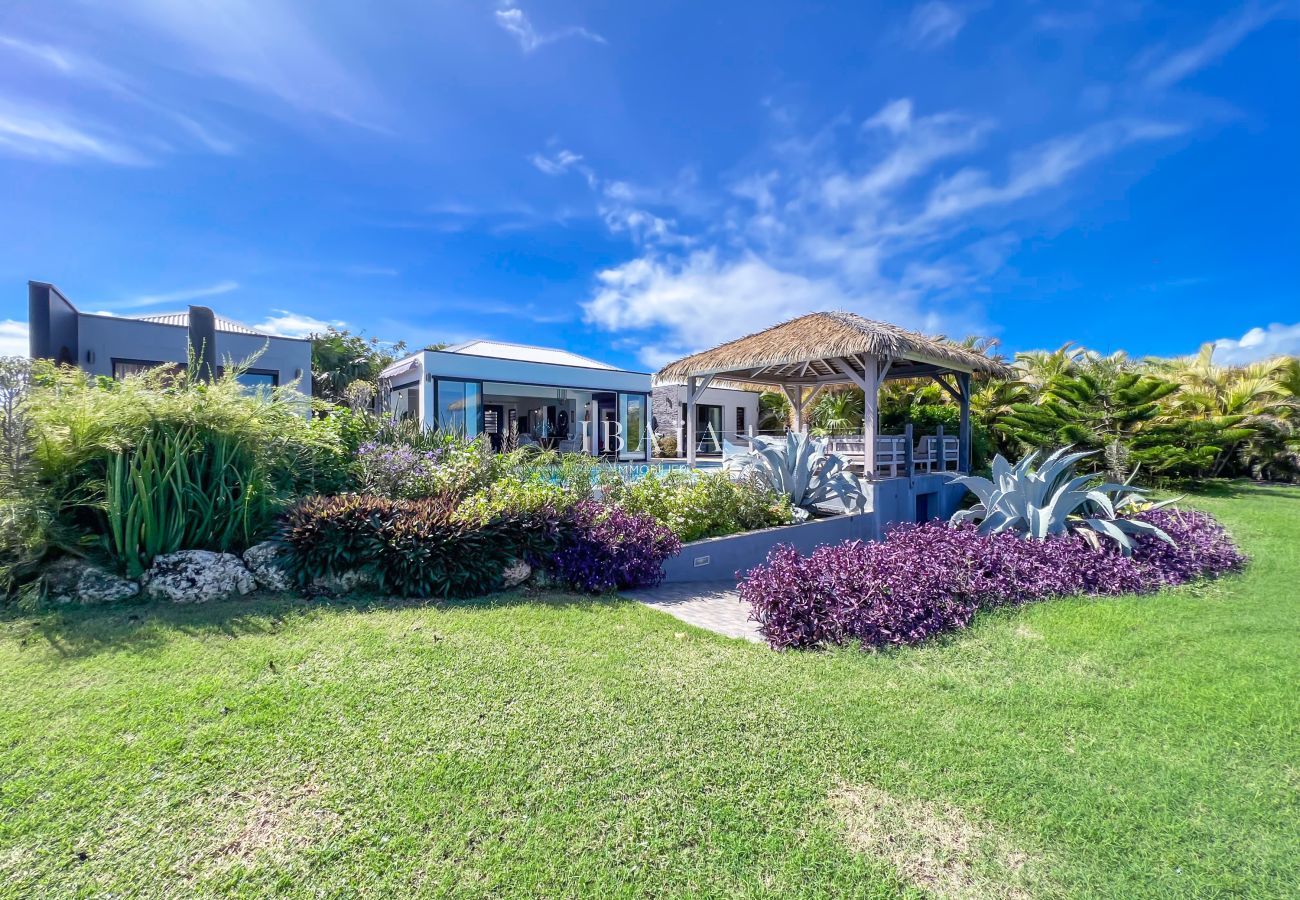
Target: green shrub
[(699, 505), (159, 462), (414, 548)]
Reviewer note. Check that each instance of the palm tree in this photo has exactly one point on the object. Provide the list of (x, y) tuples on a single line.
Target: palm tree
[(1038, 367), (839, 412), (773, 411), (1250, 399)]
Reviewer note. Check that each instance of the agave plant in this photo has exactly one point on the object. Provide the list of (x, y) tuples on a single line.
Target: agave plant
[(1052, 499), (798, 467)]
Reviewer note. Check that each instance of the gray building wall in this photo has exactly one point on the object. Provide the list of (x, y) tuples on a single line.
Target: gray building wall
[(93, 342)]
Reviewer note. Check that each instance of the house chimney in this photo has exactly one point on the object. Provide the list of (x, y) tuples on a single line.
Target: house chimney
[(203, 340)]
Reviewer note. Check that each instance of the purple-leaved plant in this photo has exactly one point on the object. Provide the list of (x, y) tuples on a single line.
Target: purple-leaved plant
[(927, 579), (607, 548)]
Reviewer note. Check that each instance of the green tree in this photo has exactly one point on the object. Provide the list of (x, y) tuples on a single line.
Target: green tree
[(339, 358)]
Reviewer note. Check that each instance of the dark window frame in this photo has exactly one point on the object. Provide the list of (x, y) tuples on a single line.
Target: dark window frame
[(115, 361)]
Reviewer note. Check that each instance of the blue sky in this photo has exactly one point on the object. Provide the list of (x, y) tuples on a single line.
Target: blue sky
[(638, 181)]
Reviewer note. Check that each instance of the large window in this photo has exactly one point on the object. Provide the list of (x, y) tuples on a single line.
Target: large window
[(631, 413), (459, 406), (124, 367)]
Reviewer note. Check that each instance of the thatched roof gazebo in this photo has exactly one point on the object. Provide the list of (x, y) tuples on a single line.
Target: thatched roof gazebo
[(804, 355)]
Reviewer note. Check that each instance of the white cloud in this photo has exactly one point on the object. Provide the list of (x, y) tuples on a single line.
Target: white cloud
[(1259, 343), (267, 46), (292, 324), (1043, 167), (516, 22), (704, 299), (1223, 36), (861, 216), (13, 338), (90, 74), (934, 24), (556, 164), (48, 134), (182, 296), (920, 143)]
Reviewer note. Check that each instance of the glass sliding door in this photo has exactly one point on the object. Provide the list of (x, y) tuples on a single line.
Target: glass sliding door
[(459, 406), (708, 429), (632, 416)]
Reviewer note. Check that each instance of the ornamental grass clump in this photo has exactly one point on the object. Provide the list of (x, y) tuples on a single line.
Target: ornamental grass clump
[(608, 548), (924, 580)]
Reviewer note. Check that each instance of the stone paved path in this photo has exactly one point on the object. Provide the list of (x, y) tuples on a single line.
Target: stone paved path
[(714, 605)]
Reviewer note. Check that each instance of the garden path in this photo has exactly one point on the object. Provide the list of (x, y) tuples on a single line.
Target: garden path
[(713, 605)]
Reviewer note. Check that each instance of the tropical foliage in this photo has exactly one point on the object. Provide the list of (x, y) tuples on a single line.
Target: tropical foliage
[(924, 580), (1053, 499), (341, 359), (799, 468), (1189, 417), (159, 461)]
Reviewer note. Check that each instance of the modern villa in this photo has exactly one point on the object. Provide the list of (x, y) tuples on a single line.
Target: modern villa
[(116, 346), (519, 395)]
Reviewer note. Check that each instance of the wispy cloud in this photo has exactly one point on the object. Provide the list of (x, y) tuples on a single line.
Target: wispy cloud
[(45, 133), (269, 47), (516, 22), (1259, 343), (1225, 34), (94, 76), (182, 296), (13, 338), (292, 324), (860, 216), (1046, 166), (556, 164), (934, 24)]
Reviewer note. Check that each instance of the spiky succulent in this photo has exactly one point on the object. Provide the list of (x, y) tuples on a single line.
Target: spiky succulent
[(799, 468), (1051, 499)]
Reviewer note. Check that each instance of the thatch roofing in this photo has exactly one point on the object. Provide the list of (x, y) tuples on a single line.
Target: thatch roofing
[(804, 349)]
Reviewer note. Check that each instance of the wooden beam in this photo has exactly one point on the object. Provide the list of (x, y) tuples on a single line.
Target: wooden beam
[(847, 368), (870, 414), (964, 433), (956, 393), (690, 421)]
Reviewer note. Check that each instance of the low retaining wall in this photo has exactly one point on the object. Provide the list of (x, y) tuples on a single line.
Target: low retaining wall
[(720, 558), (892, 500)]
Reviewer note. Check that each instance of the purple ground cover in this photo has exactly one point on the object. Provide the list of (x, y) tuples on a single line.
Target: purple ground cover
[(609, 548), (927, 579)]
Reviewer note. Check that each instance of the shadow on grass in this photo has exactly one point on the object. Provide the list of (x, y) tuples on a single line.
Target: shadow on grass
[(145, 628)]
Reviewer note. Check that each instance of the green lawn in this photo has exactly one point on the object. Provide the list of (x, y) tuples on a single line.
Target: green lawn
[(562, 746)]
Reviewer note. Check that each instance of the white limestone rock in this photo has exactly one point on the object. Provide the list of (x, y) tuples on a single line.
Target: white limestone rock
[(72, 580), (516, 573), (267, 563), (197, 576)]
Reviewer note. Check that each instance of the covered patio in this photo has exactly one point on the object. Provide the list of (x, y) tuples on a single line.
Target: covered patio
[(804, 356)]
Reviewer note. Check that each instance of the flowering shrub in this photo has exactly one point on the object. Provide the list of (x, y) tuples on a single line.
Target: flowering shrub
[(608, 548), (444, 465), (927, 579), (397, 471)]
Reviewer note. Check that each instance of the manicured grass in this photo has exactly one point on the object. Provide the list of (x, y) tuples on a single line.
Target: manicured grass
[(561, 746)]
